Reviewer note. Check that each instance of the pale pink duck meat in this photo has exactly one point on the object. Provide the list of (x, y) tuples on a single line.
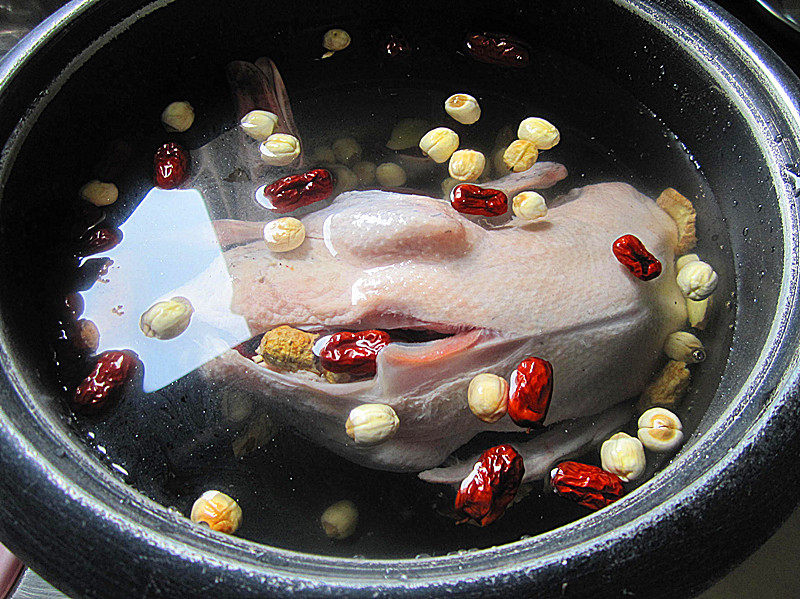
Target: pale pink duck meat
[(376, 259)]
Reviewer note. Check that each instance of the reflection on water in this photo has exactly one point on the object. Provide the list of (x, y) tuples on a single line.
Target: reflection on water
[(169, 249)]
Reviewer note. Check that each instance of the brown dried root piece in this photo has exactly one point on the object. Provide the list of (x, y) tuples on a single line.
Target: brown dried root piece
[(668, 388), (684, 215), (288, 349)]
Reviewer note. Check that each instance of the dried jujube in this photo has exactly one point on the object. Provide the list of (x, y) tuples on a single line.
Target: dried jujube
[(98, 240), (530, 392), (587, 485), (296, 191), (479, 201), (171, 165), (106, 382), (353, 353), (486, 492), (498, 48), (632, 254)]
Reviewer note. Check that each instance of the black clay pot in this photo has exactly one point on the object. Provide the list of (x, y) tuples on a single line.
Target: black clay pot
[(98, 67)]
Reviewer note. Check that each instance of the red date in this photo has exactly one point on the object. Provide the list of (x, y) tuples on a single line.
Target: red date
[(106, 381), (396, 44), (589, 486), (499, 49), (632, 254), (491, 486), (296, 191), (353, 353), (471, 199), (171, 164), (98, 240), (530, 391)]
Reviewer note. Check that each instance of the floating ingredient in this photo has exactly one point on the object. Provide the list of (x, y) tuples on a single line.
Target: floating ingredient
[(478, 201), (697, 280), (288, 349), (683, 213), (390, 175), (587, 485), (684, 347), (284, 234), (171, 165), (371, 424), (439, 144), (660, 430), (296, 191), (89, 335), (632, 254), (623, 455), (499, 49), (346, 150), (218, 510), (323, 155), (487, 397), (668, 388), (684, 260), (520, 155), (105, 384), (698, 312), (353, 353), (543, 134), (280, 149), (365, 173), (259, 124), (407, 133), (491, 485), (529, 206), (177, 117), (466, 165), (395, 45), (168, 319), (340, 520), (99, 193), (531, 390), (463, 108), (98, 240), (335, 40)]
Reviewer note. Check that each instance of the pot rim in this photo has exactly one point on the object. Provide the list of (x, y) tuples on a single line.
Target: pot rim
[(722, 455)]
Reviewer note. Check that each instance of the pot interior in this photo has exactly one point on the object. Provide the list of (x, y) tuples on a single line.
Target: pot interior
[(631, 103)]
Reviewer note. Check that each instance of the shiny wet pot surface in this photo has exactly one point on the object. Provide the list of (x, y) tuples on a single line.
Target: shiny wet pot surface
[(707, 80)]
